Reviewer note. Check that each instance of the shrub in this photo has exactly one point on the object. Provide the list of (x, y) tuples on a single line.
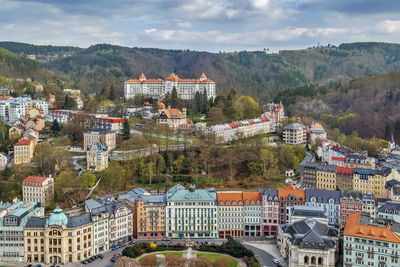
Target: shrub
[(149, 260), (173, 260)]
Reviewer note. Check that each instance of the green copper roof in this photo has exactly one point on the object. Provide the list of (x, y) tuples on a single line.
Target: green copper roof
[(58, 217), (179, 193)]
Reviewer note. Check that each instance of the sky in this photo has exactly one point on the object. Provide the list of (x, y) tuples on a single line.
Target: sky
[(204, 25)]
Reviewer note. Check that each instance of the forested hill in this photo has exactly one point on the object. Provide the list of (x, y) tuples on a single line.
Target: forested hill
[(370, 106), (14, 66), (255, 73)]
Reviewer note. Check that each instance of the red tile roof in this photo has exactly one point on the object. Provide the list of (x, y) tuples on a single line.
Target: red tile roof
[(23, 142), (338, 158), (229, 196), (33, 179), (252, 196)]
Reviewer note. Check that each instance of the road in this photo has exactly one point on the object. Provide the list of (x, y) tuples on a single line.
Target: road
[(175, 138), (263, 257)]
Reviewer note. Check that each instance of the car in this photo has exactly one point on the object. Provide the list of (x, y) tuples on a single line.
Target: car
[(38, 265), (84, 262), (101, 256), (120, 253), (115, 248), (114, 259), (29, 265), (132, 243), (93, 258), (123, 245), (275, 261), (167, 239)]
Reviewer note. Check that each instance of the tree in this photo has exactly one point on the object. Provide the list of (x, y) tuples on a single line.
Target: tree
[(222, 261), (174, 97), (178, 164), (216, 115), (55, 127), (149, 261), (126, 129), (88, 180), (70, 103)]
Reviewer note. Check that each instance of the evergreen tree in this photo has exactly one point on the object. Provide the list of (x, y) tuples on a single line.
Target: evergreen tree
[(126, 130), (55, 126), (70, 103), (112, 93), (174, 97), (197, 102), (204, 100)]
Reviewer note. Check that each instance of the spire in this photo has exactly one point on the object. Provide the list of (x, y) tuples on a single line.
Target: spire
[(142, 77), (203, 77)]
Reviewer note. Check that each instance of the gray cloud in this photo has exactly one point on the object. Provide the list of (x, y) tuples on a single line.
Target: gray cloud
[(352, 6)]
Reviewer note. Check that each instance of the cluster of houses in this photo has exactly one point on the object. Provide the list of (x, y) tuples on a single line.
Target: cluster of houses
[(268, 122), (307, 222), (298, 134)]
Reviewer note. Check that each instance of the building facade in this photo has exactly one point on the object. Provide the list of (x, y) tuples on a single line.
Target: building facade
[(192, 213), (326, 177), (328, 200), (13, 109), (270, 212), (158, 88), (150, 216), (344, 178), (308, 242), (368, 244), (58, 239), (252, 213), (12, 223), (97, 158), (38, 189), (100, 136), (3, 161), (287, 198), (369, 181), (172, 118), (230, 214), (294, 134), (23, 151)]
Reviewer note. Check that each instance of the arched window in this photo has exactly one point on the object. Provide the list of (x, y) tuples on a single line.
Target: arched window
[(312, 260), (234, 203), (252, 202), (320, 260), (240, 203), (221, 203), (227, 203), (306, 259)]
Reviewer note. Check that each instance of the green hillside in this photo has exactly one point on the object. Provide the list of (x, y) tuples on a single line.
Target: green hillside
[(255, 73)]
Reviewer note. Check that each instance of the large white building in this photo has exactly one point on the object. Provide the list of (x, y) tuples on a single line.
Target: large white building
[(13, 109), (158, 88), (38, 189), (191, 213)]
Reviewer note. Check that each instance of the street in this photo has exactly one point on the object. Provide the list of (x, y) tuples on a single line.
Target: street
[(264, 258)]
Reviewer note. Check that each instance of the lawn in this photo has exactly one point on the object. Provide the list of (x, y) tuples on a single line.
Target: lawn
[(212, 257)]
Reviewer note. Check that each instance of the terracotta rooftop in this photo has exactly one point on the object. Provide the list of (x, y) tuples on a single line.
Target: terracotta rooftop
[(34, 179), (291, 189), (252, 196), (23, 142), (229, 196), (355, 228)]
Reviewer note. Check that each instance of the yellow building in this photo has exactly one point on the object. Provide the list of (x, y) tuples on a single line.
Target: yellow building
[(369, 181), (58, 238), (326, 177), (23, 151), (150, 216), (16, 131)]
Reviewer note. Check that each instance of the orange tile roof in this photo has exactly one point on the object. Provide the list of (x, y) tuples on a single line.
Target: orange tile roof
[(142, 76), (23, 142), (229, 196), (173, 111), (256, 196), (173, 77), (203, 76), (354, 228), (291, 189)]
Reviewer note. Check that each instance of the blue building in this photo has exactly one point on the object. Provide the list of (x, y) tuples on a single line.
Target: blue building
[(326, 199)]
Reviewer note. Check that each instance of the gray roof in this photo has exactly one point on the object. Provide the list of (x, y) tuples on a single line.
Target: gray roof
[(389, 207), (294, 127), (367, 171), (100, 130), (312, 212), (269, 193), (36, 222), (310, 233), (323, 196), (80, 220), (134, 194), (179, 193)]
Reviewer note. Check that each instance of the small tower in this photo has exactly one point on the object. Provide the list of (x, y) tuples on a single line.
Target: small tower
[(392, 144), (142, 77), (203, 77)]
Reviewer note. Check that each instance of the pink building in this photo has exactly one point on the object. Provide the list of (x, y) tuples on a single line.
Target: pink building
[(270, 212)]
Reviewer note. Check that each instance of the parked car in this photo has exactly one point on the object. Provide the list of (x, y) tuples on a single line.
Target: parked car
[(132, 243), (101, 256), (123, 245), (275, 261), (84, 262), (167, 239), (115, 248)]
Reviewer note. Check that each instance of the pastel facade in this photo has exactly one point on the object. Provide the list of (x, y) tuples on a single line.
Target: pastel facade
[(158, 88), (12, 223), (328, 200), (270, 212), (23, 151), (369, 244), (252, 213), (344, 178), (287, 198), (13, 109), (172, 118), (100, 136), (38, 189), (369, 181), (58, 239), (354, 201), (230, 214), (97, 158), (192, 213), (316, 132), (294, 134), (326, 177), (275, 113), (3, 161), (150, 216)]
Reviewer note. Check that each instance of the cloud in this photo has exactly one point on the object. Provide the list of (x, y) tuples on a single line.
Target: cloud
[(389, 26), (351, 6)]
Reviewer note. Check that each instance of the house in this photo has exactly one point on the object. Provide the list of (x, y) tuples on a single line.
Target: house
[(38, 189), (315, 131), (100, 136), (172, 118), (16, 130), (3, 161), (23, 151), (294, 134), (97, 157)]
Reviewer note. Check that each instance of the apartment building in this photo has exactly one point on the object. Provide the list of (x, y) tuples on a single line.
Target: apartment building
[(151, 216), (366, 243), (230, 214), (344, 178), (192, 213), (12, 223), (13, 109), (58, 239), (252, 207), (23, 151), (3, 161), (355, 160), (158, 88), (287, 198), (38, 189), (97, 158), (100, 136), (270, 212), (354, 201), (369, 181), (326, 177), (294, 134), (328, 200)]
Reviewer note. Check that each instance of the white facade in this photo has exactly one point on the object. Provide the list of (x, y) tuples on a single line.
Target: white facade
[(100, 228), (120, 224), (13, 109), (3, 161), (158, 88), (38, 189)]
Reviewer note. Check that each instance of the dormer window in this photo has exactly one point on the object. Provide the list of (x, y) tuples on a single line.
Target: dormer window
[(227, 203)]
